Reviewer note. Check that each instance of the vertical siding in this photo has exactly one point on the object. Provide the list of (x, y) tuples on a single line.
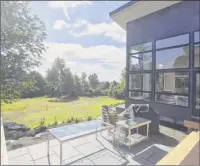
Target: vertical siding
[(176, 19)]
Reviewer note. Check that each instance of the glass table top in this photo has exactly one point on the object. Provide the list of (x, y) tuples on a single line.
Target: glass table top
[(133, 122), (75, 130)]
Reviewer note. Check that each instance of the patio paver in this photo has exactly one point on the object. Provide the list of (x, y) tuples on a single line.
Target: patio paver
[(38, 151), (83, 162), (88, 148), (74, 159), (51, 160), (106, 159), (18, 152), (90, 152), (21, 160), (68, 151)]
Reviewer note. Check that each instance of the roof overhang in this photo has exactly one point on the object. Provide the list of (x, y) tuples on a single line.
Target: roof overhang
[(136, 9)]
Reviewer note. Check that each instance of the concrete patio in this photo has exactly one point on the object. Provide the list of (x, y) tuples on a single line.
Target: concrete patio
[(89, 151)]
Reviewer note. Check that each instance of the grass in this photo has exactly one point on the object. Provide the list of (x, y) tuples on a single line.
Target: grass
[(31, 111)]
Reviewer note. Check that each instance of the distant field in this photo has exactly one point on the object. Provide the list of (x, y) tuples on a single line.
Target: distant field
[(30, 111)]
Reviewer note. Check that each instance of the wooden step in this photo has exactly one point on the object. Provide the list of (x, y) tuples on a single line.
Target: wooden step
[(178, 154)]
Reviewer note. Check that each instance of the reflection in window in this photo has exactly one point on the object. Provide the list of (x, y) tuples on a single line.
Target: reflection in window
[(173, 58), (197, 36), (141, 61), (140, 82), (173, 41), (141, 48), (172, 99), (197, 55), (139, 96), (198, 91), (172, 82)]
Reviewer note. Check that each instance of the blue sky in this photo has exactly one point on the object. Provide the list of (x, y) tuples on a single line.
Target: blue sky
[(82, 33)]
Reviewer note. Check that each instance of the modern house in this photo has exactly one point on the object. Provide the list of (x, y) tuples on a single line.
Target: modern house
[(162, 56)]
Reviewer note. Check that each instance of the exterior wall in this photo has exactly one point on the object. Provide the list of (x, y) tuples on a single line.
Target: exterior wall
[(178, 19)]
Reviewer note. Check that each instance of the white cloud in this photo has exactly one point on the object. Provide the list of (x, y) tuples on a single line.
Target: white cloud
[(60, 24), (112, 30), (67, 5), (76, 55), (108, 29)]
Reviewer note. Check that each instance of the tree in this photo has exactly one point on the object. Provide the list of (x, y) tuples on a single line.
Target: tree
[(38, 86), (123, 79), (93, 80), (54, 77), (77, 85), (113, 84), (84, 83), (22, 36), (67, 84), (104, 85)]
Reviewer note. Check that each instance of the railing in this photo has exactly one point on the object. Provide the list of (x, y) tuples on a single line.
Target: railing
[(4, 154)]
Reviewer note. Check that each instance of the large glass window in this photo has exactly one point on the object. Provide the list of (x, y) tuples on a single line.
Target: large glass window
[(173, 58), (173, 41), (140, 96), (142, 61), (141, 47), (170, 73), (172, 99), (140, 82), (197, 55), (197, 36), (172, 82), (197, 105)]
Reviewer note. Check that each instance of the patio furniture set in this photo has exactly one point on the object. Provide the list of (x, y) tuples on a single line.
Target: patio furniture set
[(124, 128)]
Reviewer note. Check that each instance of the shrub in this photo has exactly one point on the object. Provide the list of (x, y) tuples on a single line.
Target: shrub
[(42, 121), (77, 120), (69, 120), (89, 118), (90, 92), (55, 123), (97, 92), (105, 92)]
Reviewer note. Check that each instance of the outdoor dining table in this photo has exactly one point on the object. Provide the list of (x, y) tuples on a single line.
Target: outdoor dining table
[(69, 132), (134, 123)]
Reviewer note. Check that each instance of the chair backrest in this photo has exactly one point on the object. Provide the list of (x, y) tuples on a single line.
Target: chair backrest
[(104, 114)]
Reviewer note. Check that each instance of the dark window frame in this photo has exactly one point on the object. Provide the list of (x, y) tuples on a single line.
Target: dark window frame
[(173, 104), (173, 70), (142, 82), (132, 56), (149, 92), (180, 94), (172, 37), (194, 110), (168, 48), (193, 47), (140, 51), (191, 70), (194, 36)]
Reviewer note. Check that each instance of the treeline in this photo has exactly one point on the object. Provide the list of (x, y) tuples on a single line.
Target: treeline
[(60, 81)]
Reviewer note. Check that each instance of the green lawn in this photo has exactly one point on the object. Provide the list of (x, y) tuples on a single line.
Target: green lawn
[(30, 111)]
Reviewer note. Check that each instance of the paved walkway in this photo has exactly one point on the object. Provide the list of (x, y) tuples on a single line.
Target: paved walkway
[(89, 151)]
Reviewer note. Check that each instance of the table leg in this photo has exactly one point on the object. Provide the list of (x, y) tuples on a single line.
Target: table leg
[(96, 132), (60, 153), (147, 131), (113, 141), (129, 139), (47, 143)]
